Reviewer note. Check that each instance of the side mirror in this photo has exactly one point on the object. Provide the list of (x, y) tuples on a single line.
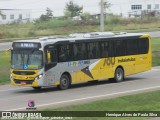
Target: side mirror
[(8, 54)]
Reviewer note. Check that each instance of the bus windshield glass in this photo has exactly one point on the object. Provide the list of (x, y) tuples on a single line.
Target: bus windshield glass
[(27, 59)]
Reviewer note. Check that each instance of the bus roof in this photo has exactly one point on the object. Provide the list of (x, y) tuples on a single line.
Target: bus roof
[(84, 36)]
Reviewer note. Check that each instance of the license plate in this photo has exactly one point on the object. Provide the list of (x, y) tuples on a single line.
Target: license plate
[(23, 83)]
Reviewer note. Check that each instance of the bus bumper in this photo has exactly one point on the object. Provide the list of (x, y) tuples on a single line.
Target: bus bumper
[(24, 83)]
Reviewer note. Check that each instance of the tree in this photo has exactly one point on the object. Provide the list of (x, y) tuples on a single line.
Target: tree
[(85, 16), (67, 14), (106, 5), (47, 16), (72, 9), (49, 13)]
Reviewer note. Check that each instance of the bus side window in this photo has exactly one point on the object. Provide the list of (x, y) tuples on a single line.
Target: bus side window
[(104, 49), (143, 45), (131, 47), (61, 51), (93, 50), (89, 49), (111, 47), (65, 53), (51, 56), (79, 51), (120, 48)]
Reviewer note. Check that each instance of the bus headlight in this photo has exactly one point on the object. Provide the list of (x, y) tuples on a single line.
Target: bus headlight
[(38, 77), (11, 77)]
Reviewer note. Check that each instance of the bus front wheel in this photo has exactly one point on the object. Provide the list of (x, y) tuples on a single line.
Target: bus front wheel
[(118, 76), (64, 82)]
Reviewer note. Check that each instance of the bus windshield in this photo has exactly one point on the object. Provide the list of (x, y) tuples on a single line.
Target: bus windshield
[(26, 59)]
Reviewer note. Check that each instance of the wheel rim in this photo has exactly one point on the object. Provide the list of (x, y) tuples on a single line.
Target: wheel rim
[(64, 82), (119, 75)]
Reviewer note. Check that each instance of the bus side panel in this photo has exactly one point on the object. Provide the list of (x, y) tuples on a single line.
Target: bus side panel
[(127, 63), (79, 77), (82, 72), (107, 69), (99, 71), (102, 70), (143, 63)]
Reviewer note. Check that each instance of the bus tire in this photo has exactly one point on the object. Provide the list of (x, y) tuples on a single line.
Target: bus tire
[(118, 76), (64, 82), (36, 88)]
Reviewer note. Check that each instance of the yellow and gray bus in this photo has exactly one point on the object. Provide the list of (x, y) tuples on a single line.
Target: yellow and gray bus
[(81, 57)]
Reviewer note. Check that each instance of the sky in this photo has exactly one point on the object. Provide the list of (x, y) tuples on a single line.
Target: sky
[(38, 7)]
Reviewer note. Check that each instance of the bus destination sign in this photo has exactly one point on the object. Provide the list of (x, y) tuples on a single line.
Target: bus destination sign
[(26, 45)]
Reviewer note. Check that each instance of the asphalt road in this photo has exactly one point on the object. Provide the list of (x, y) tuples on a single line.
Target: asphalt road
[(5, 46), (154, 33), (16, 98)]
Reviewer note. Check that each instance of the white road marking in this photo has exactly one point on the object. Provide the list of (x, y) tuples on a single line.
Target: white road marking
[(13, 89), (86, 98)]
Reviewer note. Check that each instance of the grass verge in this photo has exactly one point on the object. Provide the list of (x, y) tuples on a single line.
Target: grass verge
[(156, 51), (149, 101), (4, 69), (66, 26)]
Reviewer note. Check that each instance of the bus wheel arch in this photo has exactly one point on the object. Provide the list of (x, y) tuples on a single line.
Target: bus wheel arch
[(119, 74), (65, 81)]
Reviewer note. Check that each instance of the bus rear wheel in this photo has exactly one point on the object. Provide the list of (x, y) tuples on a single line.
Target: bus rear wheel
[(64, 82), (118, 76)]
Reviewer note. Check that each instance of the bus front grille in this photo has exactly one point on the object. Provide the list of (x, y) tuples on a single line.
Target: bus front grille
[(23, 72), (23, 81)]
